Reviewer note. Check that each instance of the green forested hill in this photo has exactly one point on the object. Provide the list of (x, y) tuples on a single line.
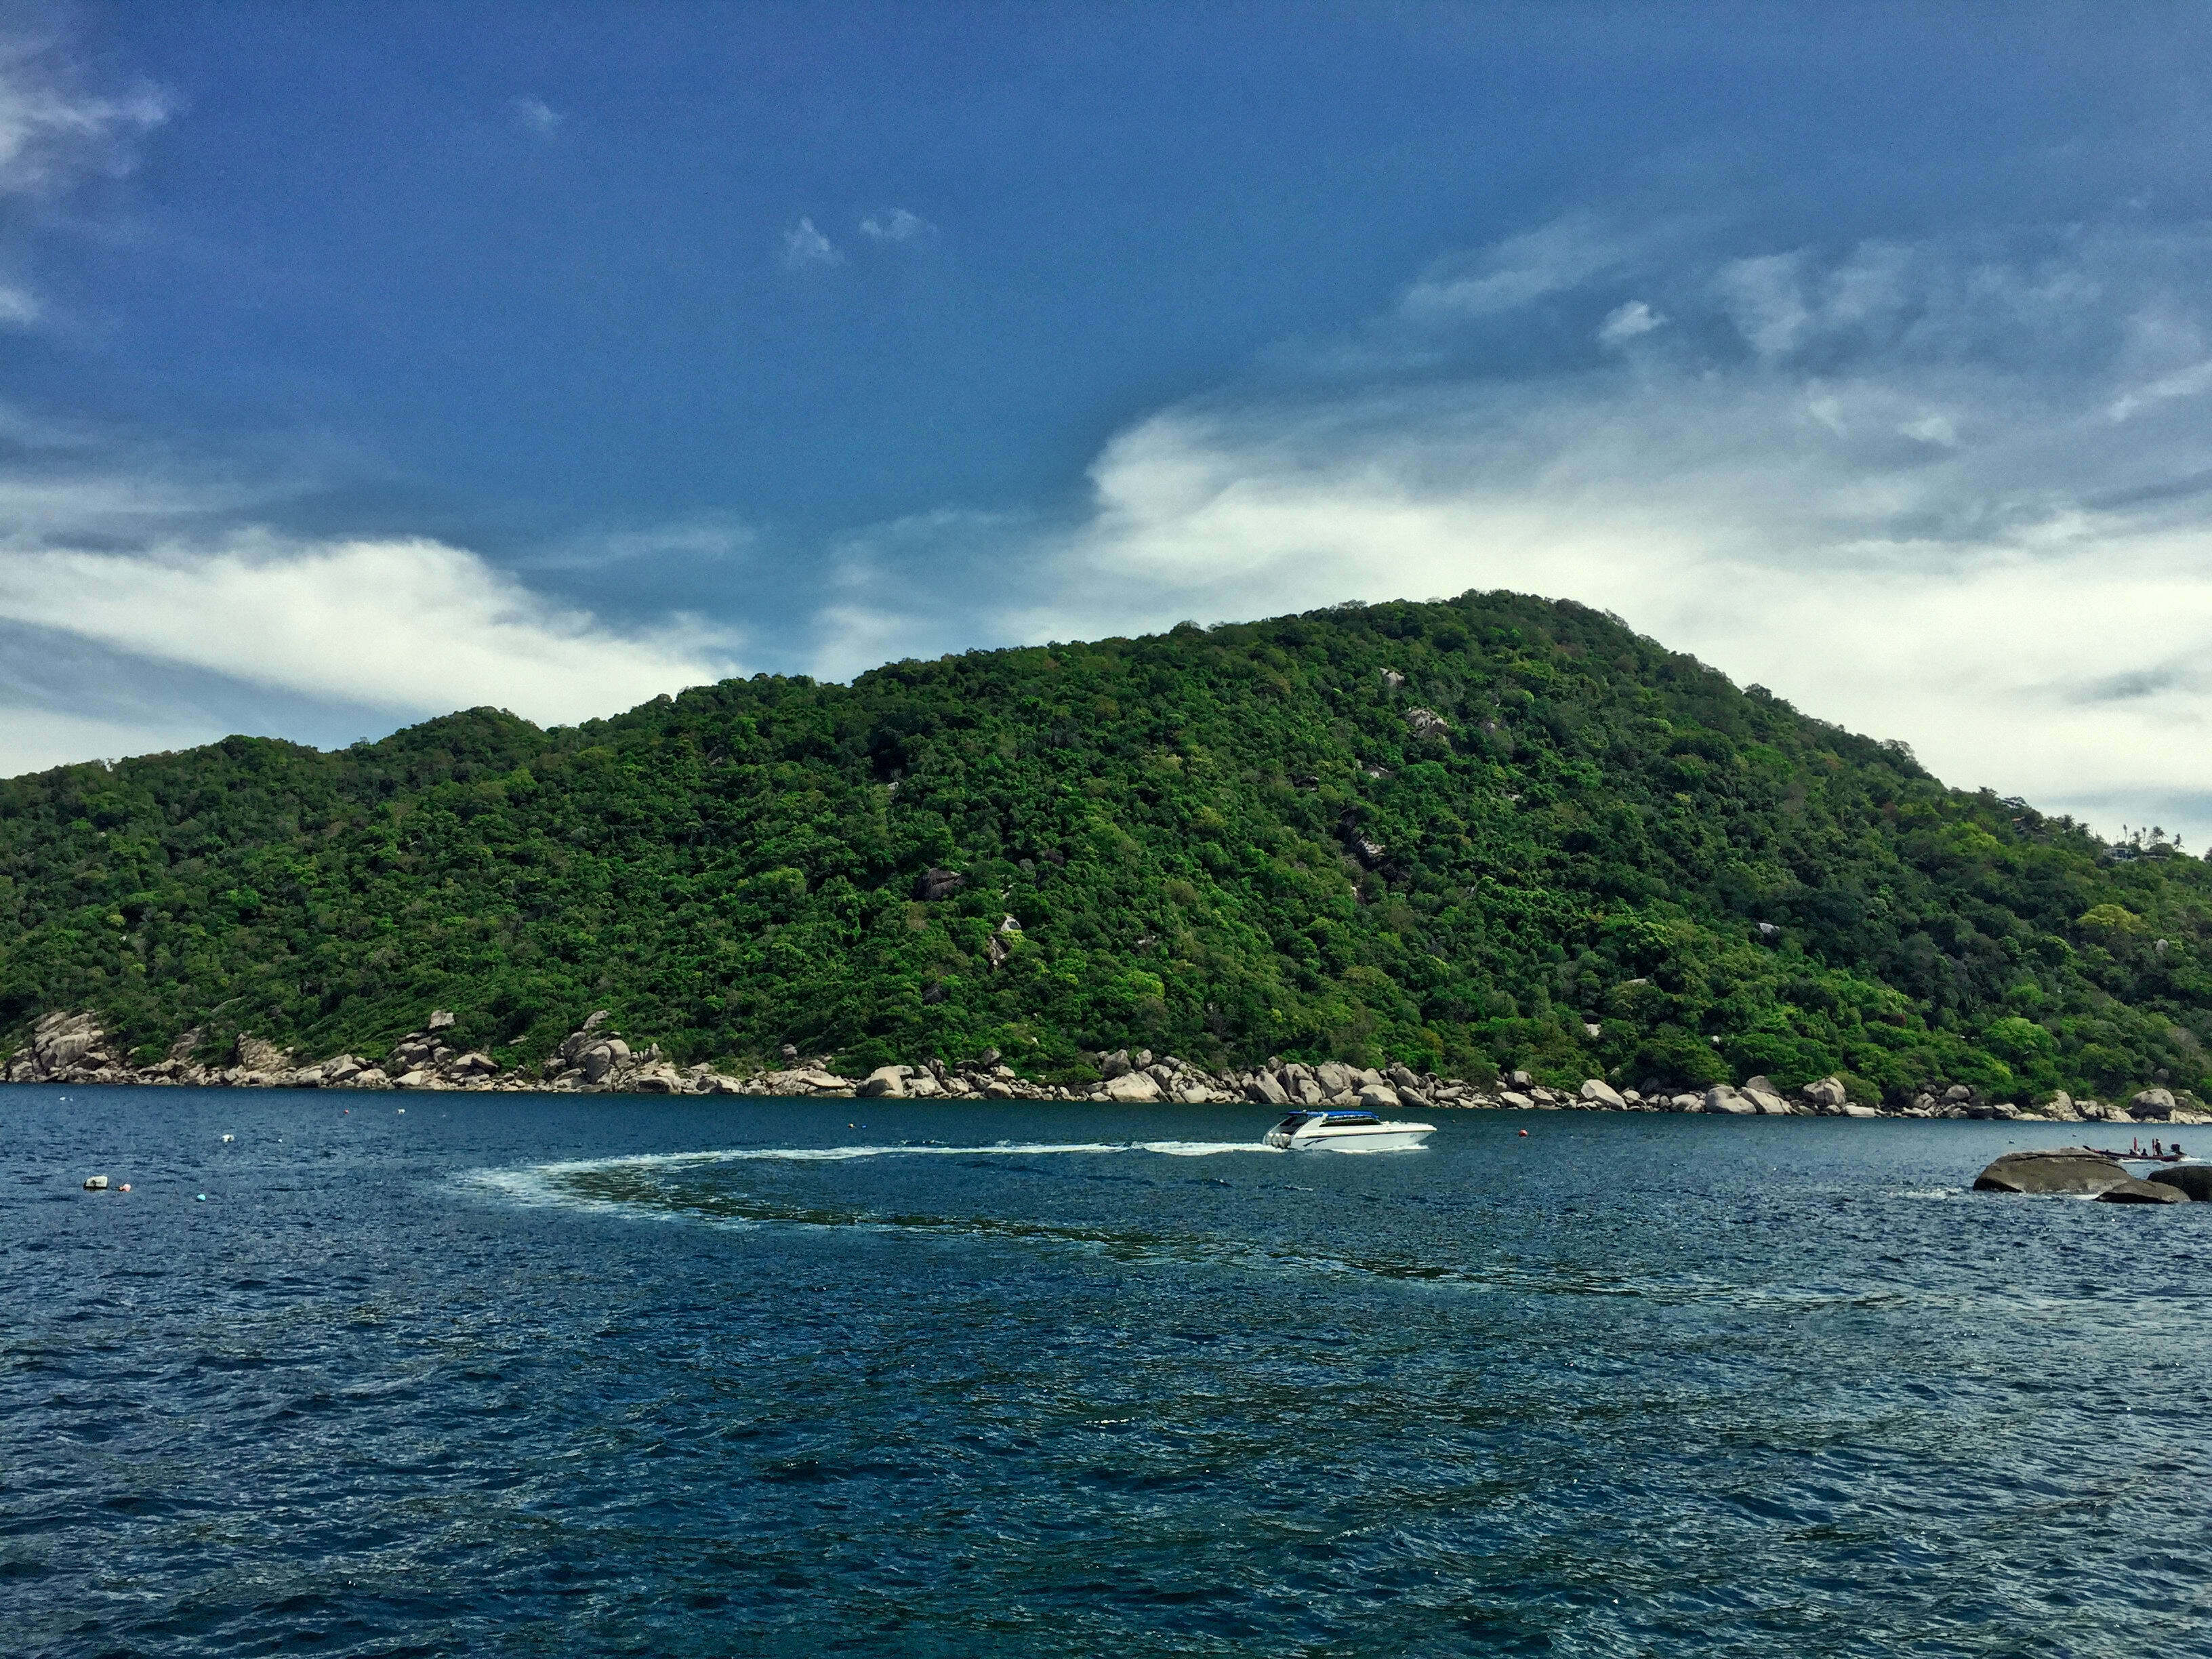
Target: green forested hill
[(1492, 831)]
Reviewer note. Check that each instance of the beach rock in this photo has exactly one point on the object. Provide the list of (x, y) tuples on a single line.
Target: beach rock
[(1722, 1099), (2067, 1170), (1765, 1097), (1852, 1109), (657, 1079), (1686, 1102), (1402, 1077), (1379, 1098), (1517, 1100), (440, 1018), (415, 1080), (2192, 1180), (1336, 1079), (1828, 1095), (1599, 1093), (1131, 1089), (2152, 1103), (2131, 1191), (887, 1083), (1264, 1090)]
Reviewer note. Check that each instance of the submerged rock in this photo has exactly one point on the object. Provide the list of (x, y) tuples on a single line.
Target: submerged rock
[(2131, 1191), (2074, 1169)]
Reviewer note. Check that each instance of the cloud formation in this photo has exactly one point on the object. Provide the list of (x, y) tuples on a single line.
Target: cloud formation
[(897, 225), (535, 117), (54, 131), (411, 627), (805, 246), (1958, 493)]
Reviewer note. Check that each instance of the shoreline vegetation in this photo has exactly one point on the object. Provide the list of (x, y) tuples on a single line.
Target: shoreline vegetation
[(72, 1048), (1463, 839)]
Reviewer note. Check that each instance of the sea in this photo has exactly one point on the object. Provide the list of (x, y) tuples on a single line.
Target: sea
[(439, 1374)]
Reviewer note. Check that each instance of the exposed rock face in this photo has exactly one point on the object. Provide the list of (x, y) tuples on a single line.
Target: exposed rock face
[(886, 1082), (1603, 1094), (64, 1047), (2192, 1180), (2068, 1170), (1722, 1099), (934, 885)]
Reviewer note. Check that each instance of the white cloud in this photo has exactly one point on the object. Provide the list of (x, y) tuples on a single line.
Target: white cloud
[(804, 245), (53, 131), (1886, 484), (1624, 323), (897, 225), (535, 117), (412, 627), (1550, 259)]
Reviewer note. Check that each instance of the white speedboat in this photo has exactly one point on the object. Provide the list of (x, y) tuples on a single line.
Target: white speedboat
[(1346, 1132)]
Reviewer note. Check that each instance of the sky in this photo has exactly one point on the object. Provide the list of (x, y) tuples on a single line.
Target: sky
[(362, 363)]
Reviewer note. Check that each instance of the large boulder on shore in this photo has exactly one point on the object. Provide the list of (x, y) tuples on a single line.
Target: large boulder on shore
[(1599, 1093), (2069, 1170), (2152, 1103), (885, 1083), (1722, 1098), (2192, 1180), (1133, 1089)]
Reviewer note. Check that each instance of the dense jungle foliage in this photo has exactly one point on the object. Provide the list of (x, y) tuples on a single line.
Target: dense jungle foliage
[(1491, 832)]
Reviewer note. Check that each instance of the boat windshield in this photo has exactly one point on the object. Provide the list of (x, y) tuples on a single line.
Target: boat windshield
[(1342, 1120), (1295, 1119)]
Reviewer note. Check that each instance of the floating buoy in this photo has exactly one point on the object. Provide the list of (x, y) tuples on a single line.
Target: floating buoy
[(199, 1197), (226, 1139), (1524, 1134), (403, 1111), (124, 1187), (95, 1183)]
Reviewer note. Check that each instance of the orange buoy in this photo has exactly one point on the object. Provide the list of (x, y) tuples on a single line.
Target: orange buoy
[(1524, 1134)]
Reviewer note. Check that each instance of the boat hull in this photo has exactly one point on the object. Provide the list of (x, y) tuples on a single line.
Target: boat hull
[(1385, 1138)]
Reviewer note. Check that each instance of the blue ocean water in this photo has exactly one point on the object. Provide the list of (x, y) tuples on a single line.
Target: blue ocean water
[(502, 1374)]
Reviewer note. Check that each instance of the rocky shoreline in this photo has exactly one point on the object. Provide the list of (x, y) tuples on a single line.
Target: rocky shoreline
[(73, 1048)]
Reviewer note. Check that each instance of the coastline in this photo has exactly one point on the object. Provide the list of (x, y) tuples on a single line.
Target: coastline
[(72, 1048)]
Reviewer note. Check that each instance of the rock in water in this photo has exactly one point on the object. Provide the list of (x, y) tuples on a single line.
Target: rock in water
[(2131, 1191), (2193, 1181), (2068, 1170)]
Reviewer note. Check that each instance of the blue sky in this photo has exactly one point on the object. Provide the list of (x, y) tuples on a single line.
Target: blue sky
[(359, 363)]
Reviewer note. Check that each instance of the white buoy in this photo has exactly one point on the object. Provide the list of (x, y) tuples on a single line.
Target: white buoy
[(95, 1183), (226, 1139)]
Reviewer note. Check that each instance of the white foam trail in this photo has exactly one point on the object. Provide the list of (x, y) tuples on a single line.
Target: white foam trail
[(839, 1154)]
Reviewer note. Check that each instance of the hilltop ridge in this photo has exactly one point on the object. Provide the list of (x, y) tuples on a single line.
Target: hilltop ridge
[(1491, 832)]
